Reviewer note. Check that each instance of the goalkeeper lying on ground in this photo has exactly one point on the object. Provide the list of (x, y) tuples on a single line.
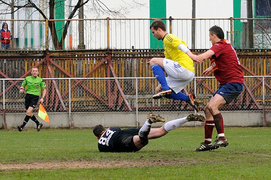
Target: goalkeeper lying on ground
[(114, 139)]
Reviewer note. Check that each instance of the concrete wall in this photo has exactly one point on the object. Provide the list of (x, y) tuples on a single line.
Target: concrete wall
[(126, 119)]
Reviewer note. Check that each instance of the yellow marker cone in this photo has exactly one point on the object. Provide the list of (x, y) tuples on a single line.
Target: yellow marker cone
[(43, 114)]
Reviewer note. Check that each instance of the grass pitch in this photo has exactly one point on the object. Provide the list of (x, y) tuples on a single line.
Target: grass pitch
[(73, 154)]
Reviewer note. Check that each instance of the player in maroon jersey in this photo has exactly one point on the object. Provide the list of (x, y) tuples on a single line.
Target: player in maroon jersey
[(227, 70)]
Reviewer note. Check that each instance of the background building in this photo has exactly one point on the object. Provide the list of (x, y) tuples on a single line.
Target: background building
[(30, 32)]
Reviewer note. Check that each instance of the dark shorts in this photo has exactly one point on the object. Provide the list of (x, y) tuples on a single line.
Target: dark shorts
[(127, 143), (31, 100), (229, 91)]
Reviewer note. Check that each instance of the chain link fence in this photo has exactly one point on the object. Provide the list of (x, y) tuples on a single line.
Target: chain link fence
[(130, 94), (83, 102)]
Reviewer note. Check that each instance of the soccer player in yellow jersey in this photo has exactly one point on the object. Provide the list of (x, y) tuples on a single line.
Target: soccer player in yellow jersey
[(177, 64)]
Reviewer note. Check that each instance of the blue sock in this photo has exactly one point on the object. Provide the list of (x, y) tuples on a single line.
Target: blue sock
[(160, 76), (179, 96)]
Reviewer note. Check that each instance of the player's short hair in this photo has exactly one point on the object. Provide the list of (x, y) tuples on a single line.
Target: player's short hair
[(34, 68), (98, 129), (217, 31), (158, 23)]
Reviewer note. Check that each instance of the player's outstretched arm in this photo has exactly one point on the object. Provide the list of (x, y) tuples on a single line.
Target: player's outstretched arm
[(185, 49), (205, 55), (194, 57)]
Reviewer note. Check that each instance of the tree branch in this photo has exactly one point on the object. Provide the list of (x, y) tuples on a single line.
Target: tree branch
[(264, 32), (77, 6), (38, 9), (18, 7), (101, 4)]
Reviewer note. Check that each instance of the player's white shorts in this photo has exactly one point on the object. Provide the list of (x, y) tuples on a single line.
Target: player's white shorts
[(178, 77)]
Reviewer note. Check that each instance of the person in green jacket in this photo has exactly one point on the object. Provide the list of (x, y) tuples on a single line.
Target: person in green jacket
[(32, 86)]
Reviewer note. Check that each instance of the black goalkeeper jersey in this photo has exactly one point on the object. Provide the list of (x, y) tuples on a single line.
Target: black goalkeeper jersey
[(113, 140)]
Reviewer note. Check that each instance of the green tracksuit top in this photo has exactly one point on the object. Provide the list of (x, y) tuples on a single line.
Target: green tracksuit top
[(33, 85)]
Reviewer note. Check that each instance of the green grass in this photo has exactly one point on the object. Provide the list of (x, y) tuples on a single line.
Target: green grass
[(247, 157)]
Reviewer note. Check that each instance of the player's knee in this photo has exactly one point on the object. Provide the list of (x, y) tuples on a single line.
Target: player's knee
[(206, 110), (210, 109), (144, 141), (28, 113), (158, 61), (152, 61)]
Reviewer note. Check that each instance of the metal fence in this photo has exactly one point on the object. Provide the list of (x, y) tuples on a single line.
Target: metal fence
[(134, 33), (129, 94)]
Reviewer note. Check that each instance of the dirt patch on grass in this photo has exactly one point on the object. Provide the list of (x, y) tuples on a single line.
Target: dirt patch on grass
[(86, 164)]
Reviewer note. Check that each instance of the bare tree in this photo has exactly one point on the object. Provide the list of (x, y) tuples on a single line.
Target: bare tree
[(58, 44), (97, 5)]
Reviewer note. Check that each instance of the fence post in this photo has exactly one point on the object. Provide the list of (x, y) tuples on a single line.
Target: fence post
[(193, 24), (136, 104), (263, 92), (4, 105), (46, 34), (70, 108), (107, 24), (195, 93), (264, 115), (195, 86), (170, 24), (231, 27), (4, 94), (250, 23)]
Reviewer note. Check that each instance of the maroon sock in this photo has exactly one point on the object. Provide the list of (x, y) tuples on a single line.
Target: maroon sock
[(218, 119), (208, 127)]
